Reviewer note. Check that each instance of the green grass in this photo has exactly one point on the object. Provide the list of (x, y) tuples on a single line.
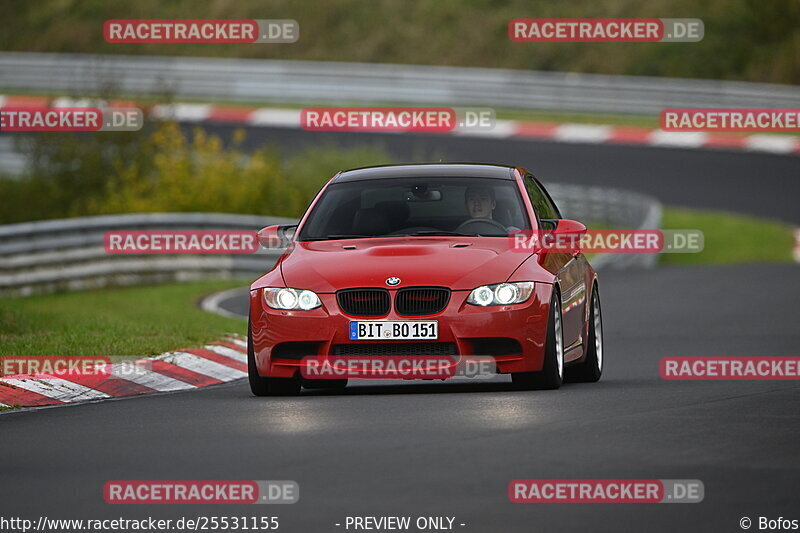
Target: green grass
[(146, 320), (730, 238)]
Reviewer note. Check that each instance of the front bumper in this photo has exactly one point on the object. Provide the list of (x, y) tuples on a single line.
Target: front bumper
[(514, 335)]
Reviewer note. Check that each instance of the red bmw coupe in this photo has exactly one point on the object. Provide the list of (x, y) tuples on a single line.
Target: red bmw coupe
[(416, 260)]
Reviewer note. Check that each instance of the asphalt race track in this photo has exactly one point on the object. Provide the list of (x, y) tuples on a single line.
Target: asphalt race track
[(450, 449)]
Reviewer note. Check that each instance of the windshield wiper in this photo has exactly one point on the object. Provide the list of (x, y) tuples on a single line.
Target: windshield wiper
[(335, 237), (439, 232), (423, 233)]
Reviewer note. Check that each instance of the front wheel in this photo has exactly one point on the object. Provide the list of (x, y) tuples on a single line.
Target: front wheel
[(552, 373), (261, 386), (590, 370)]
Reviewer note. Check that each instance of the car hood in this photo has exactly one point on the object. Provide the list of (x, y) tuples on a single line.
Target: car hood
[(462, 264)]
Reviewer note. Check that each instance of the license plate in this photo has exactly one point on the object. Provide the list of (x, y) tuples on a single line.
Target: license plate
[(395, 330)]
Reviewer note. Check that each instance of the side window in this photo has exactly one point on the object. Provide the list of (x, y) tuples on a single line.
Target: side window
[(542, 204)]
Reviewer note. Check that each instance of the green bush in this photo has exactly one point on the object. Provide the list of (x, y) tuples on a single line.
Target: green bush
[(167, 171)]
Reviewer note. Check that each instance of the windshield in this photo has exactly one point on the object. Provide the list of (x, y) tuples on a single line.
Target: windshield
[(417, 207)]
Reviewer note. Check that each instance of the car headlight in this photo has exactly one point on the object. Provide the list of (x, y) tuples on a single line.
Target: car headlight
[(290, 299), (501, 293)]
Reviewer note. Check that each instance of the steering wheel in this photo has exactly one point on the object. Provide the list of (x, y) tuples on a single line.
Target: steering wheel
[(480, 226)]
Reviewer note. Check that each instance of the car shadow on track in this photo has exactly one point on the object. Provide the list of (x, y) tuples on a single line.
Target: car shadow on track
[(435, 388)]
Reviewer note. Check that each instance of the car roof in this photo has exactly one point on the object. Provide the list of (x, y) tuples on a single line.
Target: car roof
[(438, 170)]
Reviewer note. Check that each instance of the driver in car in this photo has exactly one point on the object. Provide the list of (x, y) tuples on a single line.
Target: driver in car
[(481, 202)]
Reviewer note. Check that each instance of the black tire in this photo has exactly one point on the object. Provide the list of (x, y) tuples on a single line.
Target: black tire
[(591, 369), (261, 386), (552, 373)]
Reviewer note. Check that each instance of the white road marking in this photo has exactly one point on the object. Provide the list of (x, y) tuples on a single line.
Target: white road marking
[(683, 139), (201, 365), (183, 112), (227, 352), (771, 143), (501, 129), (240, 342), (73, 102), (583, 133), (210, 304), (279, 118), (142, 376)]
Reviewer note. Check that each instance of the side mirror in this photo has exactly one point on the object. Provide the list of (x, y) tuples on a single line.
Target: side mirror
[(567, 235), (273, 237), (565, 227)]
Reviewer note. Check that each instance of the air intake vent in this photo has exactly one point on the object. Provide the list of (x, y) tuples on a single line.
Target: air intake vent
[(415, 301), (396, 348), (364, 302)]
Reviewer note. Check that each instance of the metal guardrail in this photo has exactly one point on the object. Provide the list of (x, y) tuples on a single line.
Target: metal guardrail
[(260, 80), (12, 162), (68, 254), (613, 208)]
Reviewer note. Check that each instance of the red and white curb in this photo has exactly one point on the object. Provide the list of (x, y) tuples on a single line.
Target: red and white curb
[(212, 364), (514, 129)]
